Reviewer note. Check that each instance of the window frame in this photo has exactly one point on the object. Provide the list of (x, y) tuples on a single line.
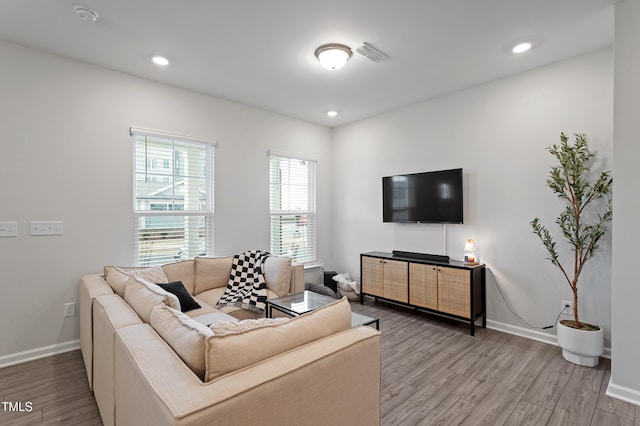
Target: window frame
[(310, 212), (207, 210)]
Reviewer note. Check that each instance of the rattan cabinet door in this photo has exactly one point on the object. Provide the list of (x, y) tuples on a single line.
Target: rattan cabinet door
[(372, 276), (453, 291), (396, 286), (423, 285)]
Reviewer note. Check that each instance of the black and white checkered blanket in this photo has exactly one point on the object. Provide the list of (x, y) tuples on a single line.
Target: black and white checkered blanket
[(247, 288)]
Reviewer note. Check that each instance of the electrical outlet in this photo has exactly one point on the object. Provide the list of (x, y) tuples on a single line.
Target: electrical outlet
[(568, 304), (46, 227), (70, 309), (8, 229)]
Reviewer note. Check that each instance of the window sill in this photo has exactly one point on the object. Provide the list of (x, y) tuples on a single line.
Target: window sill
[(312, 265)]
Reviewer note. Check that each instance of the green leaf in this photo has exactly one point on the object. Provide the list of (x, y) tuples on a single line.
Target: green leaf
[(572, 182)]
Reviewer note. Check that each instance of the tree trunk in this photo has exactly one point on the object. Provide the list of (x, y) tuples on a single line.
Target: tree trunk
[(575, 307)]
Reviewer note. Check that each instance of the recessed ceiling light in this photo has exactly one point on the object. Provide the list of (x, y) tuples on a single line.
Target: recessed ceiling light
[(333, 56), (521, 47), (332, 113), (160, 60)]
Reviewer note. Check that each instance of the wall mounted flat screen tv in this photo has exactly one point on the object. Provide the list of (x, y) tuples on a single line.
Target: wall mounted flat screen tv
[(429, 197)]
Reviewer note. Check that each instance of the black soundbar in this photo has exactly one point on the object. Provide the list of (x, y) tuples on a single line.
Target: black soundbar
[(423, 256)]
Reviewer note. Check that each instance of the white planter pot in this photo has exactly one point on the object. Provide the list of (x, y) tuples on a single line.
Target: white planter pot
[(580, 346)]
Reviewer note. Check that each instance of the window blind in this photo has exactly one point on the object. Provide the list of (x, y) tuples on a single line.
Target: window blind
[(292, 184), (173, 198)]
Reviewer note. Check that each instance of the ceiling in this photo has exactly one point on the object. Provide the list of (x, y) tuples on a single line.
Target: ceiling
[(261, 52)]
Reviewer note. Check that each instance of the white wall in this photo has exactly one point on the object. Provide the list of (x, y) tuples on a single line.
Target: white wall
[(498, 133), (66, 155), (625, 374)]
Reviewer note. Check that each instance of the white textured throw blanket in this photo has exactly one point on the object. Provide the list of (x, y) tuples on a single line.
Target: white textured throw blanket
[(247, 288)]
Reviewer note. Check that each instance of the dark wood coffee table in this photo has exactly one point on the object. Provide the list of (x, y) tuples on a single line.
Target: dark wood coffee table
[(307, 301)]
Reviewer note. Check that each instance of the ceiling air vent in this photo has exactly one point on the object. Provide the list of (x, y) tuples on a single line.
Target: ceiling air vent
[(371, 53)]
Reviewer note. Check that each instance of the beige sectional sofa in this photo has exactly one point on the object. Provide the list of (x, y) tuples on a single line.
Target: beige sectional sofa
[(149, 363)]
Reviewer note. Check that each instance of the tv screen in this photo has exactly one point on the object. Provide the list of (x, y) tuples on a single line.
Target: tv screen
[(429, 197)]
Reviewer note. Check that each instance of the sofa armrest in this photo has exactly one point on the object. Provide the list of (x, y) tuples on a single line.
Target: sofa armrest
[(342, 371), (297, 278), (110, 312), (91, 286)]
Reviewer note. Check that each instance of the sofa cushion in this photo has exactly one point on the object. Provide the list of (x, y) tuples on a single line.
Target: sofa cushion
[(143, 296), (211, 272), (211, 317), (185, 336), (211, 297), (206, 308), (181, 271), (277, 274), (230, 352), (186, 301), (227, 327), (117, 276)]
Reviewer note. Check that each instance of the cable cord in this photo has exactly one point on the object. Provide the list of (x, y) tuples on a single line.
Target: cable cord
[(508, 305), (557, 318)]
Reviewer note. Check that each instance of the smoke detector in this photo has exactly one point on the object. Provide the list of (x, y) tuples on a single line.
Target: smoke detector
[(371, 53), (85, 14)]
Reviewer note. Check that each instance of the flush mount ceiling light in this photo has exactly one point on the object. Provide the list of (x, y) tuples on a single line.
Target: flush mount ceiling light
[(522, 47), (332, 113), (160, 60), (85, 14), (333, 56)]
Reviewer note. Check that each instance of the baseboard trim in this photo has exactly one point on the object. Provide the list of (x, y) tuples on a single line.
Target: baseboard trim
[(623, 393), (37, 353), (58, 348), (532, 334)]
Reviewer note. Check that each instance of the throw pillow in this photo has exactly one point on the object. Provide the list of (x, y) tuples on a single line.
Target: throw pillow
[(152, 274), (117, 279), (187, 303), (227, 327), (117, 276), (143, 296), (277, 274), (185, 336)]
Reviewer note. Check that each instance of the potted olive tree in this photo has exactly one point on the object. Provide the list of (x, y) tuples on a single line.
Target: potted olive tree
[(582, 222)]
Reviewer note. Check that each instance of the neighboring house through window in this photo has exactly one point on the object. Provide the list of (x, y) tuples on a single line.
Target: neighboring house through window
[(292, 193), (173, 197)]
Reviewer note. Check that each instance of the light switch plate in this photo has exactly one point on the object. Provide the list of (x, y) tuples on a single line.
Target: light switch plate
[(8, 229), (46, 227)]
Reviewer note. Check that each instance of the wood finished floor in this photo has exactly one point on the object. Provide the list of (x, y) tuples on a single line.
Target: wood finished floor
[(434, 373), (57, 388)]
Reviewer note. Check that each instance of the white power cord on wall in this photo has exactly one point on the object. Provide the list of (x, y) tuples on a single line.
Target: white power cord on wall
[(508, 305)]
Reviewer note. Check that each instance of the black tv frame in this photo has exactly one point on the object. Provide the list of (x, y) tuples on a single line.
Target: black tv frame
[(432, 176)]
